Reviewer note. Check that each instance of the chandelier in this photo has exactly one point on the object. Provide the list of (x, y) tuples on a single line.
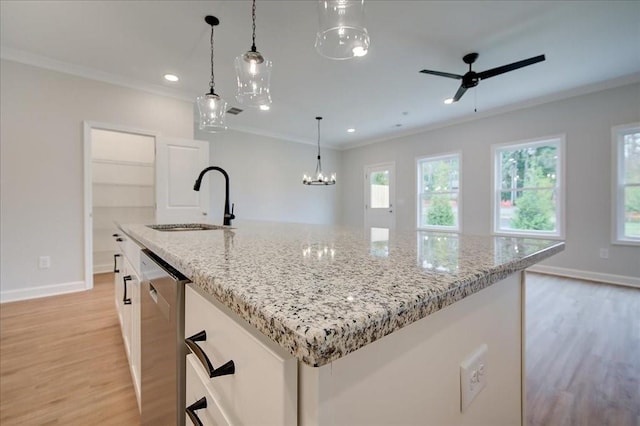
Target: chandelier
[(319, 178)]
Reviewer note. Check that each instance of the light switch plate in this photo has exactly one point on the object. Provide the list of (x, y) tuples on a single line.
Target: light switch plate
[(473, 376)]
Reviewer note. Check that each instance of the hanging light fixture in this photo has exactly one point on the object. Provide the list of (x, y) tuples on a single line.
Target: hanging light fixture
[(319, 178), (254, 72), (212, 108), (341, 34)]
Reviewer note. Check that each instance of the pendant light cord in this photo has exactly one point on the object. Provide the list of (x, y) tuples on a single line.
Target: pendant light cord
[(319, 165), (253, 18), (212, 84)]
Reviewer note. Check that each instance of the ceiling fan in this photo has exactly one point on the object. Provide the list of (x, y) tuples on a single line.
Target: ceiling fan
[(472, 78)]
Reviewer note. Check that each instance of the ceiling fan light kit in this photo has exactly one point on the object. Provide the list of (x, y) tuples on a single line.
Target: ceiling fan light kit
[(253, 73), (472, 78), (341, 32), (211, 107)]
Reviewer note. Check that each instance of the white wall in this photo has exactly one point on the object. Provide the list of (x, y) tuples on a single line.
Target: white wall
[(586, 120), (41, 150), (41, 173), (265, 176)]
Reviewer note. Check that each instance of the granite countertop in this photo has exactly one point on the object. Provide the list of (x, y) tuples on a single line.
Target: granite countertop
[(322, 292)]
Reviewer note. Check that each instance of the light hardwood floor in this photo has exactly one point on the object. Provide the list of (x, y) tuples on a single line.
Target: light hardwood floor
[(582, 353), (62, 360)]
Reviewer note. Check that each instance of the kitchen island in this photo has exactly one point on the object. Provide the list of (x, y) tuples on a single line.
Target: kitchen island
[(379, 326)]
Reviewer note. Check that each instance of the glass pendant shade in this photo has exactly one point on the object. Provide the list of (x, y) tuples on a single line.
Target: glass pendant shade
[(341, 33), (212, 110), (254, 74)]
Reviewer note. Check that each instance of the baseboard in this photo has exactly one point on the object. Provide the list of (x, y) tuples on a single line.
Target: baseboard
[(587, 275), (42, 291), (102, 269)]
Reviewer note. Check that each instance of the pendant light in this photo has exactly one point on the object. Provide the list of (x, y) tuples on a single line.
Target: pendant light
[(211, 107), (254, 73), (319, 178), (341, 33)]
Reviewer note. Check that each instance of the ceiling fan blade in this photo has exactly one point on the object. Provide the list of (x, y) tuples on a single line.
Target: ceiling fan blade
[(506, 68), (459, 93), (442, 74)]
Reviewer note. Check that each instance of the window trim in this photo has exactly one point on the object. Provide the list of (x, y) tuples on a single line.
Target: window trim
[(559, 234), (441, 156), (617, 188)]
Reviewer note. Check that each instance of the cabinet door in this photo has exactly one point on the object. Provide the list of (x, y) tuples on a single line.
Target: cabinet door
[(134, 359), (118, 272), (125, 301), (263, 388), (178, 164)]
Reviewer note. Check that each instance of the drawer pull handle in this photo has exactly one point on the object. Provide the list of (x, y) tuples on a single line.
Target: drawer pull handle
[(225, 369), (191, 410), (115, 263), (119, 240), (125, 299)]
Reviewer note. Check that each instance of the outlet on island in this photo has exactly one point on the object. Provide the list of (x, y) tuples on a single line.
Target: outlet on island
[(473, 376)]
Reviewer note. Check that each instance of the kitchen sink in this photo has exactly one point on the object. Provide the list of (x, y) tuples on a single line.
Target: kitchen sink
[(187, 227)]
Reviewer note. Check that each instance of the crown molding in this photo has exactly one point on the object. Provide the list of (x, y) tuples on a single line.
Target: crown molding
[(28, 58), (553, 97)]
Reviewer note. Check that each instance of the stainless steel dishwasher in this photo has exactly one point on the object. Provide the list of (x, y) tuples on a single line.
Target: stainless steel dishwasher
[(163, 350)]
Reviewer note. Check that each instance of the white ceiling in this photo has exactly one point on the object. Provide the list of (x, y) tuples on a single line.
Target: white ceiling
[(381, 95)]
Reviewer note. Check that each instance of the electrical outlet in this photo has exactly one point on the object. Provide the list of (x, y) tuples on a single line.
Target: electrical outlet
[(473, 376), (44, 262), (604, 253)]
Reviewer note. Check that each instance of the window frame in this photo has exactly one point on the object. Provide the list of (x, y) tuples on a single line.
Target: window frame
[(618, 186), (418, 179), (560, 187)]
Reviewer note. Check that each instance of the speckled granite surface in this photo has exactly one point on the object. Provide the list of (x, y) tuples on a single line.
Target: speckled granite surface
[(322, 292)]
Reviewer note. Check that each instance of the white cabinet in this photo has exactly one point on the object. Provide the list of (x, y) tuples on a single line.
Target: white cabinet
[(262, 390), (127, 298), (200, 402)]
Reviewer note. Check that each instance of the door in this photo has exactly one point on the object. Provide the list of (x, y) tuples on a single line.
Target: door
[(178, 164), (379, 193)]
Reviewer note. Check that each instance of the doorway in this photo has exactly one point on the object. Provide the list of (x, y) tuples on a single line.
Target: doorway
[(119, 186), (379, 195)]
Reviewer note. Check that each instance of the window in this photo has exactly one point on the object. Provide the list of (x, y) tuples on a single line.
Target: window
[(528, 188), (627, 184), (438, 192)]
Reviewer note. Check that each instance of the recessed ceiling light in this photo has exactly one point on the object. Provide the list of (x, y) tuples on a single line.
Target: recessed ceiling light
[(265, 107), (351, 130), (171, 77), (448, 101)]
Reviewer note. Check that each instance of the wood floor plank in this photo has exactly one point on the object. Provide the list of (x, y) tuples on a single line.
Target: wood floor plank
[(582, 352), (62, 359)]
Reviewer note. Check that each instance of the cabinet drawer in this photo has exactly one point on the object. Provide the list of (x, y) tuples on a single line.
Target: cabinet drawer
[(130, 249), (212, 415), (263, 388)]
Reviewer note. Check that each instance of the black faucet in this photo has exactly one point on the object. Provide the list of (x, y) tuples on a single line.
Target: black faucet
[(228, 216)]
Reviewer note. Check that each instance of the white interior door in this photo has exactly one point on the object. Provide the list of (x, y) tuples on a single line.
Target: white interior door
[(379, 182), (178, 164)]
